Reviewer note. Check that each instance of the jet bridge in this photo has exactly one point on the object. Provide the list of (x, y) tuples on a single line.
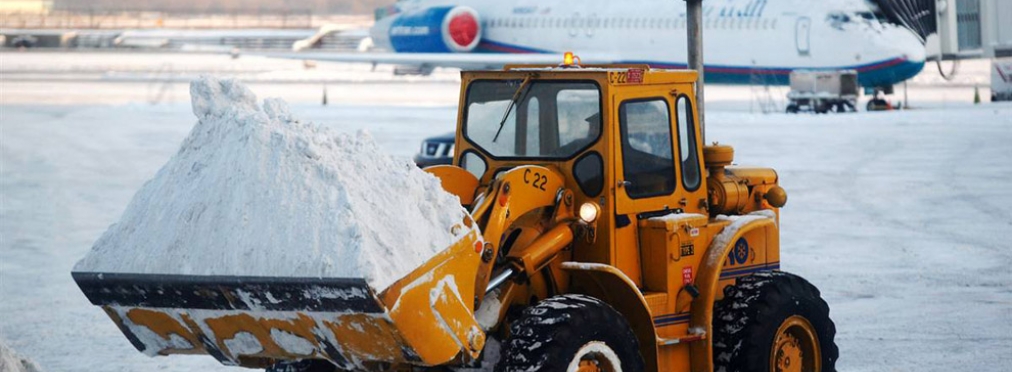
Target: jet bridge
[(956, 29), (953, 30)]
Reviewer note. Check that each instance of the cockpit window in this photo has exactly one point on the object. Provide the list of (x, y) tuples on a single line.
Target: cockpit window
[(551, 119), (871, 16), (839, 19)]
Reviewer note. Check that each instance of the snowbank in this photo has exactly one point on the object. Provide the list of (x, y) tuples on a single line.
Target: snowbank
[(12, 362), (253, 191)]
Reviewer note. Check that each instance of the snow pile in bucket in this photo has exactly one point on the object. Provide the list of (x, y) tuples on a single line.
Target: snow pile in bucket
[(10, 361), (253, 191)]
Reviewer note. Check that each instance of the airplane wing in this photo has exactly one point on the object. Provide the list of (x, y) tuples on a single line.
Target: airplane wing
[(429, 60)]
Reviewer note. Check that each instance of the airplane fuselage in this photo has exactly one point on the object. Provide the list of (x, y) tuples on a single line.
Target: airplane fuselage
[(745, 41)]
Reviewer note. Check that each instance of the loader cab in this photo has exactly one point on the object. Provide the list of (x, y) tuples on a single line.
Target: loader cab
[(623, 137), (509, 122)]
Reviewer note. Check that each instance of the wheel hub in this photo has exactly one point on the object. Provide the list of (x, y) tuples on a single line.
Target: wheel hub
[(789, 355), (595, 356), (796, 347), (589, 366)]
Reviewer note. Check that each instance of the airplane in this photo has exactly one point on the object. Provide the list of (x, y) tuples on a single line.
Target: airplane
[(745, 41)]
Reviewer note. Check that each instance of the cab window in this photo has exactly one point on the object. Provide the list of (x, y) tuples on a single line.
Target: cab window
[(550, 120), (691, 176), (647, 160)]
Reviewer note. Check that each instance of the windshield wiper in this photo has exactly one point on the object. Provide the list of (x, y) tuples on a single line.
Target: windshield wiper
[(513, 102)]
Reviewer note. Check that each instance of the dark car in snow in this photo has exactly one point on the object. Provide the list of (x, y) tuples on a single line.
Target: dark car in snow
[(436, 150)]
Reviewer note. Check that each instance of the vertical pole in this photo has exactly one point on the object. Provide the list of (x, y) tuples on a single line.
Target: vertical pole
[(906, 100), (694, 15)]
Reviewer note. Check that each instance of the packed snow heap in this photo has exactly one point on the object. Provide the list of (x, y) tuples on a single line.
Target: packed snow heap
[(10, 361), (255, 192)]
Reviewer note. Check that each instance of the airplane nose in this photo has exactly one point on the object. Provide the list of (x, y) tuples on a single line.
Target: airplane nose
[(911, 47), (906, 52), (912, 51)]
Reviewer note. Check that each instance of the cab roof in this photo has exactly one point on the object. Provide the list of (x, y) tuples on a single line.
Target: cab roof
[(612, 74)]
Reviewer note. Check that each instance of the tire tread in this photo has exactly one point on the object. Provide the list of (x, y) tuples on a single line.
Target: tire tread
[(546, 335), (753, 309)]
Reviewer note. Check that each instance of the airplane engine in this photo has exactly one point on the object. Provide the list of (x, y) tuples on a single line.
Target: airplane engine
[(447, 29)]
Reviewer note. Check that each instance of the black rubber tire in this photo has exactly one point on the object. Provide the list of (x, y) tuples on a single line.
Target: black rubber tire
[(305, 365), (877, 104), (746, 320), (548, 335)]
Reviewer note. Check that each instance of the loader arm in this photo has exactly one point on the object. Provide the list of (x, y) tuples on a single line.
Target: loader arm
[(511, 195)]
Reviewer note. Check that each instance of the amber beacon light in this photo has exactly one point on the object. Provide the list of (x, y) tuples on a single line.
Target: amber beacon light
[(570, 60)]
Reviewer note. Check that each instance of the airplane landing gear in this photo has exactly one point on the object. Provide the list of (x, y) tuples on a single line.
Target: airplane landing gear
[(878, 101)]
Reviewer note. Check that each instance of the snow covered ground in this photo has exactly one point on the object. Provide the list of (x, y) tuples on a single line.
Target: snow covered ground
[(902, 218)]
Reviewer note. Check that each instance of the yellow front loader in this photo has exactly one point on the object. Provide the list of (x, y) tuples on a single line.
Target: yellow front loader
[(603, 236)]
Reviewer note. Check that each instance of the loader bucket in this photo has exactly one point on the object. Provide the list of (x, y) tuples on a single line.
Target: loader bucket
[(425, 318)]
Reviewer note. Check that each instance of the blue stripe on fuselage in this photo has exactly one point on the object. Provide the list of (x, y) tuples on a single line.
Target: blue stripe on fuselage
[(875, 74), (489, 46)]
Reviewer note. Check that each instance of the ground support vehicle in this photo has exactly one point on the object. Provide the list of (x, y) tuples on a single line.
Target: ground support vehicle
[(436, 150), (603, 236), (823, 91)]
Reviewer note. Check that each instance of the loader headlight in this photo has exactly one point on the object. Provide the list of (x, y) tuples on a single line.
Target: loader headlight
[(589, 212)]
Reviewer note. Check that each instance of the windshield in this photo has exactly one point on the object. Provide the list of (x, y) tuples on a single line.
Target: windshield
[(552, 119), (840, 20)]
